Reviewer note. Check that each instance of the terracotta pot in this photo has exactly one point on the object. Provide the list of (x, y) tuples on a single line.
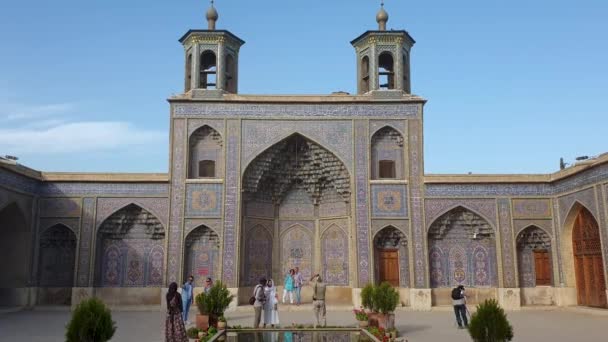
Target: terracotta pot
[(372, 318), (202, 322), (363, 324), (221, 325), (386, 321)]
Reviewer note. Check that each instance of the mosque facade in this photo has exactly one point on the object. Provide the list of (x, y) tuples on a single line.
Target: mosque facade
[(333, 184)]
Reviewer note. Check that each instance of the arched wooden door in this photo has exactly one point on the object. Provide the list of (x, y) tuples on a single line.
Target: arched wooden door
[(588, 265)]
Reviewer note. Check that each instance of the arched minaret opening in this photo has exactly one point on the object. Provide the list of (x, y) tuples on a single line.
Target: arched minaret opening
[(208, 77), (211, 57), (386, 71), (383, 58)]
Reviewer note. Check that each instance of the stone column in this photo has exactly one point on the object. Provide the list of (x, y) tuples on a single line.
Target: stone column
[(196, 66), (232, 205), (176, 220), (362, 201), (420, 296), (84, 283)]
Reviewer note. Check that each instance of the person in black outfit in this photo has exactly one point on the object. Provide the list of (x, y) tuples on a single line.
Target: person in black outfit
[(459, 300)]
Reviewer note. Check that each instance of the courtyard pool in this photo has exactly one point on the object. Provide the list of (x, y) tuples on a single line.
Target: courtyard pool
[(297, 336)]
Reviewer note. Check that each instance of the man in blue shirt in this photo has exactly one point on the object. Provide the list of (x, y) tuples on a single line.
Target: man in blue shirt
[(187, 297)]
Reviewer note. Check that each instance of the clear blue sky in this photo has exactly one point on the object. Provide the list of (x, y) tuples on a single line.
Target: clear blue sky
[(512, 85)]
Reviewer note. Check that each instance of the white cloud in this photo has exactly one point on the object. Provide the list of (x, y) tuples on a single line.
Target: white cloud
[(18, 112), (76, 137)]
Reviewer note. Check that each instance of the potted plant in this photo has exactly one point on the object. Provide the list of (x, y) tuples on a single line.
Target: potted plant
[(202, 318), (367, 301), (490, 324), (213, 304), (361, 317), (381, 301), (192, 333), (221, 323), (386, 299), (91, 321)]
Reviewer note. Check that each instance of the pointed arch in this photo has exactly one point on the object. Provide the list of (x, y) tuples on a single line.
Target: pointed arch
[(202, 254), (566, 243), (296, 250), (15, 249), (388, 125), (126, 242), (335, 253), (534, 257), (208, 70), (59, 222), (458, 230), (364, 82), (230, 74), (104, 212), (206, 153), (460, 206), (57, 256), (257, 256), (391, 256), (387, 154), (282, 138), (582, 259), (386, 70), (296, 160)]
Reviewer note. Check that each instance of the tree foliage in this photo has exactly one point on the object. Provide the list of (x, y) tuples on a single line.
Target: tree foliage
[(490, 324), (91, 322)]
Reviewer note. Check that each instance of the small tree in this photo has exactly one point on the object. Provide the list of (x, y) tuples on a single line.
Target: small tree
[(386, 298), (490, 324), (215, 302), (367, 297), (91, 322)]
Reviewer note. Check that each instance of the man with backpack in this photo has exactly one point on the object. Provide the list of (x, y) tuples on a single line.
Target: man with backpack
[(258, 300), (459, 300)]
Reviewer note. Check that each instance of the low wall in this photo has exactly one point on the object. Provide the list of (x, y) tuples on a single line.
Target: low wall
[(123, 296), (54, 296), (15, 296), (443, 296), (334, 295), (542, 295)]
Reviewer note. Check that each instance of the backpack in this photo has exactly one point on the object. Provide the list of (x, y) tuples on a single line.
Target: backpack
[(255, 291), (456, 294)]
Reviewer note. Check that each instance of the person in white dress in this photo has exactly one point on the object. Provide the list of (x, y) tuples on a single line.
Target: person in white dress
[(271, 310)]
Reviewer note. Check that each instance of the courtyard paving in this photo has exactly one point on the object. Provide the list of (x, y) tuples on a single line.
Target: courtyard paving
[(438, 325)]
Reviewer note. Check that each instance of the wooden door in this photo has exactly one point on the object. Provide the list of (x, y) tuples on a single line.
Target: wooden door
[(588, 265), (389, 266), (542, 267)]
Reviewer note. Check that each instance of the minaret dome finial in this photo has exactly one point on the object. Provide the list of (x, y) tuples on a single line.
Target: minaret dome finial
[(212, 16), (382, 17)]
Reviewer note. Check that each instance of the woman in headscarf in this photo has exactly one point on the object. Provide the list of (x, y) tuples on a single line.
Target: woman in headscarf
[(271, 310), (175, 331), (288, 287)]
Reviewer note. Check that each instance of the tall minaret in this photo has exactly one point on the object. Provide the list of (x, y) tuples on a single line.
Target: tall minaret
[(211, 57), (383, 58)]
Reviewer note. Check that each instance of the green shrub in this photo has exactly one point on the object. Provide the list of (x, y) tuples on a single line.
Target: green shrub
[(91, 322), (490, 324), (386, 298), (383, 298), (212, 331), (215, 302), (367, 297), (192, 332)]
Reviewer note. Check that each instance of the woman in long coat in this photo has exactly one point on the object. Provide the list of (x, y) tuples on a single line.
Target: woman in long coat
[(288, 287), (175, 331), (271, 310)]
